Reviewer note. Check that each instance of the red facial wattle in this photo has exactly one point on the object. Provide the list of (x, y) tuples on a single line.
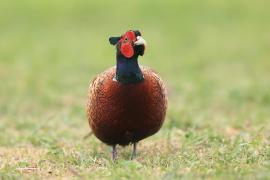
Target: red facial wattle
[(127, 42), (130, 35), (127, 50)]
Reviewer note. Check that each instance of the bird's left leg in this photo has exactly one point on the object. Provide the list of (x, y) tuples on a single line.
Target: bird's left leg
[(114, 152), (134, 150)]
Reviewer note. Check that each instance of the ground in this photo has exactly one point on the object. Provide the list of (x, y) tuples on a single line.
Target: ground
[(213, 56)]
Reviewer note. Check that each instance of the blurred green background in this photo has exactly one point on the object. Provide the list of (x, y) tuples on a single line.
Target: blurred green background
[(213, 56)]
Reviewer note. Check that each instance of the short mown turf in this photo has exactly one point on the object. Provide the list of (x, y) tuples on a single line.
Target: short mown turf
[(213, 55)]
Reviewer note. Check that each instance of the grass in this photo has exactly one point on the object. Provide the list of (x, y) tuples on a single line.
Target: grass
[(214, 57)]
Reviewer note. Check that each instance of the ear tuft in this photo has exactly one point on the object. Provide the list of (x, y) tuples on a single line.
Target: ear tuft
[(114, 40), (137, 33)]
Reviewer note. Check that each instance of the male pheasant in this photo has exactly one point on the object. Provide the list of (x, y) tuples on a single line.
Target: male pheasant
[(126, 103)]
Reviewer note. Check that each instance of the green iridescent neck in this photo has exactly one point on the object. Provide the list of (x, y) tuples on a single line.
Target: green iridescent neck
[(128, 70)]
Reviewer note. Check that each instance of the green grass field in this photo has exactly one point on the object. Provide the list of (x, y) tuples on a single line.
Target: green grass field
[(213, 55)]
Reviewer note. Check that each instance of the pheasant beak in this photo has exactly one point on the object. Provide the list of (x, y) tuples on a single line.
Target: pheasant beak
[(140, 41)]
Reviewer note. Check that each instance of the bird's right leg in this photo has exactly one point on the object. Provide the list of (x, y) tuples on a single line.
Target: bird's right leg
[(114, 152), (134, 151)]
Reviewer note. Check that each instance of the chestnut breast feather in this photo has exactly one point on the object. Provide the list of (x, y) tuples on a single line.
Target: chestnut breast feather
[(123, 114)]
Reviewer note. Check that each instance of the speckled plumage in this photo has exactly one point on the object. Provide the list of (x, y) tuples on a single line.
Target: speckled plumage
[(126, 113)]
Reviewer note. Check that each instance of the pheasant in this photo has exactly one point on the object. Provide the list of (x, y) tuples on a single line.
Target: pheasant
[(126, 103)]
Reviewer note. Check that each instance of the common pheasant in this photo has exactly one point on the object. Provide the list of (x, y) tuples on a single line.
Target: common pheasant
[(126, 103)]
